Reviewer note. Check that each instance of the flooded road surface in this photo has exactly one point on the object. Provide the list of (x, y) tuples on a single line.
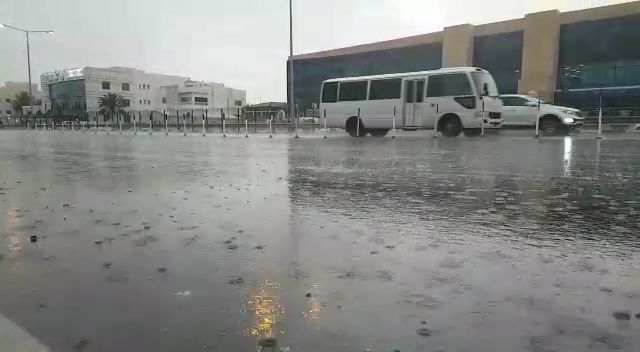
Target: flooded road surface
[(154, 243)]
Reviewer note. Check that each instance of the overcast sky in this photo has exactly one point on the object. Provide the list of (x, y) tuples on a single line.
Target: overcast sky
[(242, 43)]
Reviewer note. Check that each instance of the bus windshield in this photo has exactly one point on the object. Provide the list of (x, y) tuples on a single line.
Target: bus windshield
[(482, 78)]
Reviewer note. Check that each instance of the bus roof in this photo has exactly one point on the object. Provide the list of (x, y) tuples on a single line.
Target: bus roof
[(406, 74)]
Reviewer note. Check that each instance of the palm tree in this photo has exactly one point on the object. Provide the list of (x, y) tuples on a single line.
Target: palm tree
[(111, 104)]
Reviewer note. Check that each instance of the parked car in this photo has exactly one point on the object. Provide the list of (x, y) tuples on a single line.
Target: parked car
[(523, 110)]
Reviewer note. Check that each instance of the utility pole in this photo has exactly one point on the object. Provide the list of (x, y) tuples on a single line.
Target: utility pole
[(291, 85)]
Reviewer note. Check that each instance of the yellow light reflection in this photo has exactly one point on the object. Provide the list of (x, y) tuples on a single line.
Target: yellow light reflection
[(14, 242), (267, 309)]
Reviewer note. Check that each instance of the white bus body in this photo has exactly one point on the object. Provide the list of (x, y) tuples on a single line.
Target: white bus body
[(457, 98)]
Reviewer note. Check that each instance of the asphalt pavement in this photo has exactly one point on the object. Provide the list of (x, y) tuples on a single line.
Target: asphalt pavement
[(114, 242)]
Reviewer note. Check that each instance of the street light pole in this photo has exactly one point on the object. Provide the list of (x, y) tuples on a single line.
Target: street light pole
[(291, 85), (27, 32)]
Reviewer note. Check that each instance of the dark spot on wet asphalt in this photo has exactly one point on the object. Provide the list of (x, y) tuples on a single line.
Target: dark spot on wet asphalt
[(162, 270), (107, 265), (424, 332), (140, 242), (236, 281), (259, 247), (622, 315), (232, 246), (308, 295)]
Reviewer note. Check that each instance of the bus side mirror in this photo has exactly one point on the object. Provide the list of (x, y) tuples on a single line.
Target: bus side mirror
[(485, 89)]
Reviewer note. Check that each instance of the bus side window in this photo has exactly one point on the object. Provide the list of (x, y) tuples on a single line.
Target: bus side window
[(409, 91), (420, 91), (330, 92)]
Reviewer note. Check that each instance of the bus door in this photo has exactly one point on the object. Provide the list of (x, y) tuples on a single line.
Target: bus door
[(413, 101)]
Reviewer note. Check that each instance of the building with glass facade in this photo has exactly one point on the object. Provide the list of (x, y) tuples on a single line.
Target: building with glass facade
[(572, 58)]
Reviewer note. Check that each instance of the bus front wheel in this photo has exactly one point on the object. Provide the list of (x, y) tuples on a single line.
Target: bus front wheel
[(450, 125), (354, 129)]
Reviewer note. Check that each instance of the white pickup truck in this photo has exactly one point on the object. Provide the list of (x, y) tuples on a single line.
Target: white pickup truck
[(523, 110)]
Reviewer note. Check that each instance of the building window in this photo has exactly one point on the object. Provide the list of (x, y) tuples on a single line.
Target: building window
[(148, 86), (185, 99), (148, 102), (238, 102), (127, 103), (125, 87), (106, 85), (164, 100), (385, 89), (353, 91), (8, 112), (330, 92), (455, 84), (201, 100), (140, 101)]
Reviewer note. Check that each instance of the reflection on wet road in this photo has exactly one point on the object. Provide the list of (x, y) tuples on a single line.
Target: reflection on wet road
[(181, 243)]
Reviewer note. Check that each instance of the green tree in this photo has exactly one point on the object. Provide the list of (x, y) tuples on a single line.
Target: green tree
[(21, 99), (111, 104)]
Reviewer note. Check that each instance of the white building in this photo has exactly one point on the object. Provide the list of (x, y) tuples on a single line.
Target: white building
[(78, 91)]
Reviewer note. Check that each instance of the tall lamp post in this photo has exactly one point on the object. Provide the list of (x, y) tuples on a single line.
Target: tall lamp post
[(291, 85), (27, 32)]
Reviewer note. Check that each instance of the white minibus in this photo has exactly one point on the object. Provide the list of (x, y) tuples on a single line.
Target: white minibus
[(453, 100)]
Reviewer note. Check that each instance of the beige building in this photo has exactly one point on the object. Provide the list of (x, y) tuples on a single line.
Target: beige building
[(569, 57)]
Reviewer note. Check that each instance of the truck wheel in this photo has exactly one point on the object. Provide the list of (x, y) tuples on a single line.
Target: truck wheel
[(550, 125), (472, 132), (450, 125)]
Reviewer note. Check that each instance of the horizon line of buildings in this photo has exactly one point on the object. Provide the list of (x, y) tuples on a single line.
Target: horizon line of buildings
[(78, 90)]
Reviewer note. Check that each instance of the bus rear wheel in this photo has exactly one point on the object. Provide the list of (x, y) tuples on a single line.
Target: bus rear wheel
[(450, 125), (354, 129), (472, 132), (378, 133)]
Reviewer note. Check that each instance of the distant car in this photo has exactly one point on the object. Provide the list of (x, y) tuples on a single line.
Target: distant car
[(523, 110)]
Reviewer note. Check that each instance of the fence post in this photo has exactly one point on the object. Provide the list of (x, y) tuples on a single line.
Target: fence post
[(184, 124), (358, 124), (206, 119), (325, 123), (599, 135), (435, 125), (224, 120), (203, 126), (482, 125), (166, 126), (151, 122), (120, 123), (538, 121), (393, 125), (246, 128)]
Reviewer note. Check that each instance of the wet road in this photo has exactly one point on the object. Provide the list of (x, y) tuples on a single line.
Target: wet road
[(154, 243)]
